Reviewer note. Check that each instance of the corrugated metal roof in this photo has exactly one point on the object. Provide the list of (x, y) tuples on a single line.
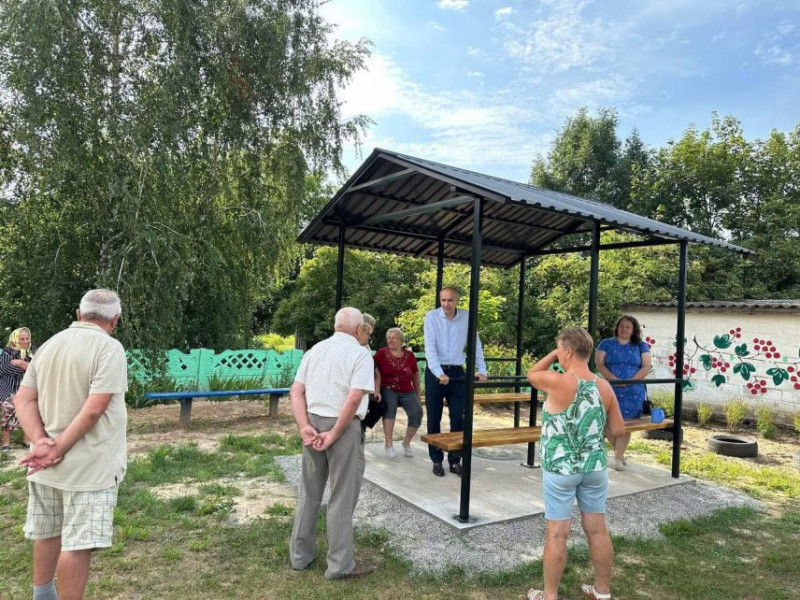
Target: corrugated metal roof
[(519, 219), (771, 304)]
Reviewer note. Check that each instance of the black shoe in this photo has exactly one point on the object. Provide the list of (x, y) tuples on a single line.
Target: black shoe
[(456, 469), (438, 470)]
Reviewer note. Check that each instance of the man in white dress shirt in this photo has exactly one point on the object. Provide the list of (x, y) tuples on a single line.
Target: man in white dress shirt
[(329, 399), (445, 339)]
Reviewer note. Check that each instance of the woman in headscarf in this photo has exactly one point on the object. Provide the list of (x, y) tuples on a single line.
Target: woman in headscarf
[(14, 360)]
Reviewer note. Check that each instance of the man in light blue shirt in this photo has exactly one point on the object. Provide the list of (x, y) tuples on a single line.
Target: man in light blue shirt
[(445, 339)]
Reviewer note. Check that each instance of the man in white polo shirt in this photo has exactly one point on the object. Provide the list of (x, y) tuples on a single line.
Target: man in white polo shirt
[(329, 399), (71, 404)]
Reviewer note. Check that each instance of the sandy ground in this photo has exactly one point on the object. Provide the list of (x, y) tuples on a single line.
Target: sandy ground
[(211, 421), (152, 427)]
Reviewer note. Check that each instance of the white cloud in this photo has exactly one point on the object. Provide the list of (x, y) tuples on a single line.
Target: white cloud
[(473, 51), (466, 128), (453, 4), (772, 50), (785, 28), (560, 38), (774, 55), (501, 13), (476, 74), (434, 25)]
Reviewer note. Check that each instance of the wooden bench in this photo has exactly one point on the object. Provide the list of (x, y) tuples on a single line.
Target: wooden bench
[(186, 399), (506, 397), (454, 441), (498, 398)]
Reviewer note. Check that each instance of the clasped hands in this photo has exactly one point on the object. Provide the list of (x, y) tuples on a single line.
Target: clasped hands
[(316, 440), (45, 454)]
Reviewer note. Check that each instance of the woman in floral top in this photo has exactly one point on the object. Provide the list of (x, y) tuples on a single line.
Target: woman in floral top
[(397, 378), (580, 411)]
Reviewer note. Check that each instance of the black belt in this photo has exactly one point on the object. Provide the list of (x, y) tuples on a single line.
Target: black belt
[(452, 366)]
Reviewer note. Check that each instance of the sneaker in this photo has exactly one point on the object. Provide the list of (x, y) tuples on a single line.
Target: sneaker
[(456, 469), (391, 452), (6, 448), (619, 464), (408, 451), (359, 571), (438, 470)]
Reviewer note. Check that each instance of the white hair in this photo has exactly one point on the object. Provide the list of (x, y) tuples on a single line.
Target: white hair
[(399, 332), (100, 305), (347, 318)]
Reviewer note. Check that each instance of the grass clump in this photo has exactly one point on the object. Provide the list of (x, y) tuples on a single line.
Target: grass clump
[(704, 414), (765, 422), (796, 422), (665, 400), (735, 412)]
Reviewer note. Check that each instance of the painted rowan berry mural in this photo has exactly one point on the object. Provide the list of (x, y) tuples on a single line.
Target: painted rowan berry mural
[(731, 355)]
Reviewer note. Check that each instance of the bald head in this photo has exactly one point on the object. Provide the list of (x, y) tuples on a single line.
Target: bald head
[(347, 320)]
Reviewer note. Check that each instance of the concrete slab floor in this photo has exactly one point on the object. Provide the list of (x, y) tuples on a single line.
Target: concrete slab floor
[(501, 488)]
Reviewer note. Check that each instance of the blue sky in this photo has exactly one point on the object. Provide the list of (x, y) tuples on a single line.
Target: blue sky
[(487, 84)]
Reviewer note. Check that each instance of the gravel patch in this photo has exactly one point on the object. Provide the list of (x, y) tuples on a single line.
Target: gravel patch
[(434, 547)]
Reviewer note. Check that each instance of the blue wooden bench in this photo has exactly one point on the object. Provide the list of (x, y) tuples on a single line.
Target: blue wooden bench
[(187, 397)]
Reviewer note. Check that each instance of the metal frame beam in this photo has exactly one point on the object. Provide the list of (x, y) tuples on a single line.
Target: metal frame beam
[(419, 209), (615, 246), (679, 358), (380, 180), (340, 269), (429, 235), (594, 277), (520, 319), (472, 336)]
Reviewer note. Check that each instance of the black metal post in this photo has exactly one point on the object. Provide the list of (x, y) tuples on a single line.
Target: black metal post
[(520, 309), (439, 271), (679, 357), (340, 269), (532, 423), (594, 276), (472, 336)]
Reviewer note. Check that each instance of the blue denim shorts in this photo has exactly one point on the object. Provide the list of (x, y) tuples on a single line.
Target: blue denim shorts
[(560, 492)]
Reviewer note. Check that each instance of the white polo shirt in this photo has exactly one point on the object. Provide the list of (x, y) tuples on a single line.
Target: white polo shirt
[(331, 369)]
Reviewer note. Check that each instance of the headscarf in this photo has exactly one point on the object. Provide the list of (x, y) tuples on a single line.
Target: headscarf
[(13, 341)]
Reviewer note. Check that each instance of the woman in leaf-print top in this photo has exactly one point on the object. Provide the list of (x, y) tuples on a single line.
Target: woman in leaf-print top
[(580, 411)]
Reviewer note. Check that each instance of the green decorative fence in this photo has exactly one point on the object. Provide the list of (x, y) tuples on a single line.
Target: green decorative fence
[(195, 369)]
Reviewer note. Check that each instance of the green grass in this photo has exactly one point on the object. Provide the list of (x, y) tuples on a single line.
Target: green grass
[(185, 546), (759, 481)]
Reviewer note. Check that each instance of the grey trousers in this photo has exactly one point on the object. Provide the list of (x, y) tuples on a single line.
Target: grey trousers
[(343, 463)]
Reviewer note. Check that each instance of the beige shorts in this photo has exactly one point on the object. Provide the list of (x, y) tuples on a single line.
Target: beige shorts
[(83, 520)]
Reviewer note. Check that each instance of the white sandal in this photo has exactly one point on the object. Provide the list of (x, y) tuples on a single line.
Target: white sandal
[(593, 594), (534, 594)]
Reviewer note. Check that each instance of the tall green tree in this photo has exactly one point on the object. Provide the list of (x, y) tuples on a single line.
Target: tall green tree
[(588, 159), (163, 149), (381, 284)]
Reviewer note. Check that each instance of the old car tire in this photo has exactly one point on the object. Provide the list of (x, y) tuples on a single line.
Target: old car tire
[(661, 434), (733, 445)]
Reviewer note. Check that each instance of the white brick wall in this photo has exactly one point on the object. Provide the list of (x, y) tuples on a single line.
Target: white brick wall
[(780, 327)]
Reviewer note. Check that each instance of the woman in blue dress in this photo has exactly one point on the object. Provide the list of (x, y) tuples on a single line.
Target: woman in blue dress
[(625, 356)]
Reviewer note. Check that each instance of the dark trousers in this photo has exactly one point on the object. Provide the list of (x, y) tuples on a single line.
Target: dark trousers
[(375, 410), (435, 395)]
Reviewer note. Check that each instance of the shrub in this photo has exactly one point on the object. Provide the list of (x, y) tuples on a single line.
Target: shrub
[(796, 420), (664, 399), (704, 413), (273, 341), (764, 422), (735, 412)]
